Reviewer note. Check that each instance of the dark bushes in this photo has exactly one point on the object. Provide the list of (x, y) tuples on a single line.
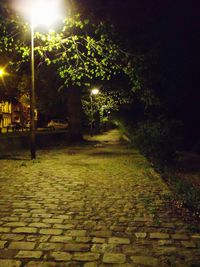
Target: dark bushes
[(157, 139)]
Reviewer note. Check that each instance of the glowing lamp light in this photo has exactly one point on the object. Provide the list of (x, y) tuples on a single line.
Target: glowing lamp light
[(41, 12), (1, 72), (95, 91), (44, 12)]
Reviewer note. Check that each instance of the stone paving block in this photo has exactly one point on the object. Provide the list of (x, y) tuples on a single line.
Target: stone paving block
[(15, 224), (52, 220), (166, 250), (49, 246), (159, 236), (102, 248), (76, 233), (20, 245), (119, 240), (165, 242), (20, 211), (4, 230), (61, 256), (37, 238), (141, 235), (25, 230), (114, 258), (101, 233), (188, 244), (61, 239), (50, 231), (29, 254), (37, 211), (144, 260), (85, 256), (83, 239), (77, 247), (10, 219), (167, 225), (2, 244), (141, 219), (10, 263), (39, 225), (64, 226), (118, 228), (180, 237), (98, 240), (64, 216), (196, 236)]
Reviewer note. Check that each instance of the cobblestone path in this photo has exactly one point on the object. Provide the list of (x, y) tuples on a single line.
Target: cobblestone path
[(92, 205)]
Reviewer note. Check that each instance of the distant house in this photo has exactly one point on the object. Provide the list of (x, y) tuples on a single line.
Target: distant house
[(12, 112), (5, 114)]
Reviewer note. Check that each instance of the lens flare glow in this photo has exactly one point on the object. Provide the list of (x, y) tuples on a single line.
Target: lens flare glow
[(41, 12), (1, 72), (95, 91)]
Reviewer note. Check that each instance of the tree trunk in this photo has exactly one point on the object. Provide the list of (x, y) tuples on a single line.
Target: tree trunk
[(74, 113)]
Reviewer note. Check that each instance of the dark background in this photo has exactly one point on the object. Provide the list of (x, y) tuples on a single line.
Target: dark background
[(171, 28)]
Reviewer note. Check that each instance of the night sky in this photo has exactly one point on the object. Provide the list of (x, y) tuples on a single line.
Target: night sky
[(147, 22), (174, 26)]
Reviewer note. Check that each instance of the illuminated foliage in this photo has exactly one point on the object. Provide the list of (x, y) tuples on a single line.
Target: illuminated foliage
[(81, 50), (82, 53), (105, 103)]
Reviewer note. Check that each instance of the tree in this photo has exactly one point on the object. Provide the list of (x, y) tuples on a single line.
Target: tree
[(82, 52)]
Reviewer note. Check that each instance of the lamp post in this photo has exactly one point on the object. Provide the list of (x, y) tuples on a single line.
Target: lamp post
[(32, 97), (1, 116), (94, 91), (39, 12)]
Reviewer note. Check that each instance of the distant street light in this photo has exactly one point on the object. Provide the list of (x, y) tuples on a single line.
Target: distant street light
[(94, 91), (1, 72), (39, 12)]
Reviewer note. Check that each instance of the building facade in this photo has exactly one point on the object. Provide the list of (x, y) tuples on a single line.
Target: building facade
[(13, 113), (5, 114)]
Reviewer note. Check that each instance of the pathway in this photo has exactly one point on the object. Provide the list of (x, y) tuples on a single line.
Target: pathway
[(92, 205)]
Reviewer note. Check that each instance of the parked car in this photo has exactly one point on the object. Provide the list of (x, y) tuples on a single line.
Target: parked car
[(15, 126), (58, 124)]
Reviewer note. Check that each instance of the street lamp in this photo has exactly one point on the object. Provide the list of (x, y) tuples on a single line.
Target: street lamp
[(94, 91), (38, 12), (1, 72)]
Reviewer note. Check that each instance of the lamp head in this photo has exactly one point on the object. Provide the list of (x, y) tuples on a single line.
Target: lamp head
[(2, 72), (41, 12), (95, 91)]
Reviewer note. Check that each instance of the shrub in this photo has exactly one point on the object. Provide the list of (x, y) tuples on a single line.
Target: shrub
[(157, 139)]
